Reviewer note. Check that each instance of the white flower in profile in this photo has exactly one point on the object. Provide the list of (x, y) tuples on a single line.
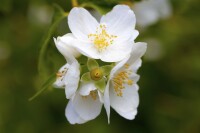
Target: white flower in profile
[(85, 105), (121, 92), (68, 76), (149, 12), (109, 40)]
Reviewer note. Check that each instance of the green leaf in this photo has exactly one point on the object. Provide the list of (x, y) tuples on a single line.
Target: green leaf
[(92, 64), (59, 14), (101, 84), (106, 69), (46, 84), (86, 77)]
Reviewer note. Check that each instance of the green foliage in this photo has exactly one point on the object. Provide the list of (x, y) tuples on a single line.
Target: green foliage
[(59, 14), (45, 86)]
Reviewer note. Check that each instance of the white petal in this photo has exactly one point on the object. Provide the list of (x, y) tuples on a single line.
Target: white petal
[(59, 83), (87, 107), (101, 97), (72, 115), (116, 52), (118, 66), (72, 79), (81, 23), (149, 12), (107, 101), (137, 52), (126, 105), (120, 22), (134, 66), (85, 88), (87, 49), (67, 42), (64, 50), (146, 13), (164, 7)]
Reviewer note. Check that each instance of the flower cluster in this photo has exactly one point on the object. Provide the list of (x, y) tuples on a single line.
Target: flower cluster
[(108, 77)]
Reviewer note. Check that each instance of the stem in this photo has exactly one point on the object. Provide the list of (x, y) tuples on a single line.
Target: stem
[(74, 3)]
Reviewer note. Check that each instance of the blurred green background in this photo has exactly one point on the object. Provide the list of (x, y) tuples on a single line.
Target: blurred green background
[(169, 84)]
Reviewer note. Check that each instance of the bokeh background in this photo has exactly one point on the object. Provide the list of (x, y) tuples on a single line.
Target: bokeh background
[(170, 74)]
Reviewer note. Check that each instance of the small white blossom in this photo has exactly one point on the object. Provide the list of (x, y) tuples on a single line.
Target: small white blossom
[(68, 76), (121, 92), (110, 39), (149, 12)]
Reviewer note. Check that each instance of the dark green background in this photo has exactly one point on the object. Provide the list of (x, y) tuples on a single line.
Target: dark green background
[(169, 86)]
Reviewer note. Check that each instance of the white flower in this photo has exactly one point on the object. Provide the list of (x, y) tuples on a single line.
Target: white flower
[(121, 92), (110, 39), (85, 105), (149, 12), (68, 76)]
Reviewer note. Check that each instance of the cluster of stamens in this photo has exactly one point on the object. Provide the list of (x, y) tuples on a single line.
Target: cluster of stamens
[(93, 95), (60, 74), (121, 79), (101, 38)]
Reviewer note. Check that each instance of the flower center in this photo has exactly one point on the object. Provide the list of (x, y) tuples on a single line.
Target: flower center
[(121, 79), (93, 95), (61, 74), (96, 74), (101, 38)]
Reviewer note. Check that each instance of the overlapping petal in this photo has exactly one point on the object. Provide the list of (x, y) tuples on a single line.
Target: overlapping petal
[(72, 115), (69, 75), (81, 23), (121, 92), (121, 22), (85, 105)]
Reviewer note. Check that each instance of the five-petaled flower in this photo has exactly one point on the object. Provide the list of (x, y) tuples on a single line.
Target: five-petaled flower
[(109, 40)]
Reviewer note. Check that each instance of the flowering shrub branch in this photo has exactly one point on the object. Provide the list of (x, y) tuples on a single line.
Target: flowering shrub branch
[(109, 76)]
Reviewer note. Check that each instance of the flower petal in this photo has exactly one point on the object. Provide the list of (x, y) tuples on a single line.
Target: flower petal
[(126, 105), (118, 66), (59, 83), (67, 43), (106, 100), (116, 52), (134, 66), (87, 49), (120, 22), (85, 88), (81, 23), (87, 107), (137, 52), (72, 79), (64, 47), (72, 115)]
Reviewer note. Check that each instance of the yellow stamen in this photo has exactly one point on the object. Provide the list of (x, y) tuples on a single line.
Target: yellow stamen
[(93, 95), (60, 74), (121, 79), (101, 38)]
